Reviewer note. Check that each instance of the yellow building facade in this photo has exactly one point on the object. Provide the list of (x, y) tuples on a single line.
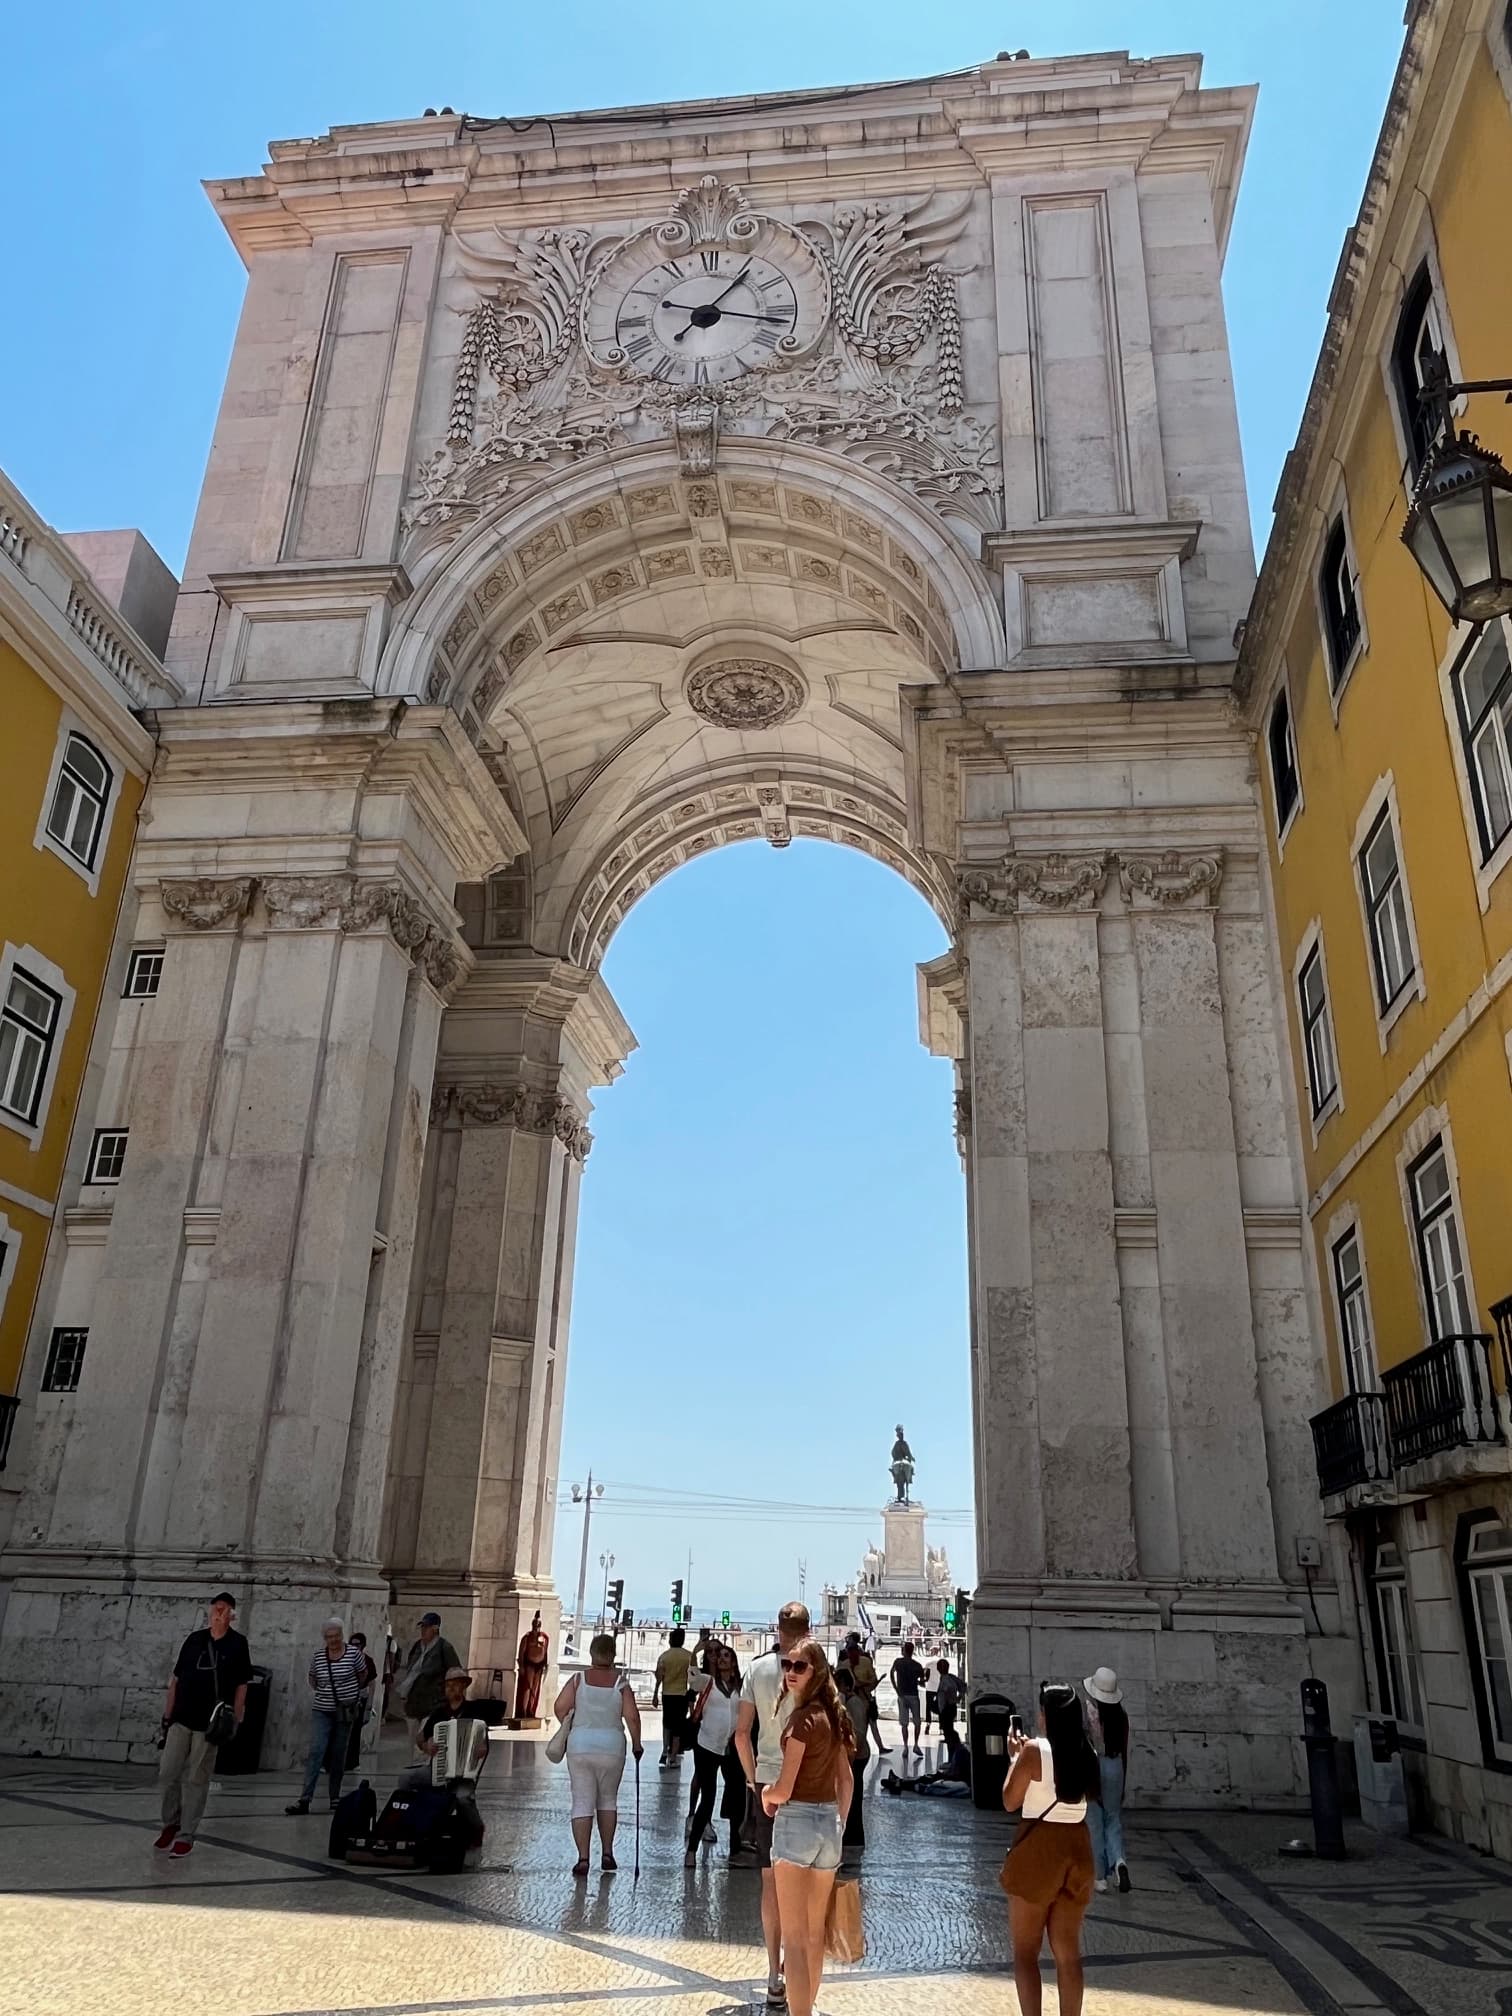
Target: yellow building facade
[(74, 764), (1384, 740)]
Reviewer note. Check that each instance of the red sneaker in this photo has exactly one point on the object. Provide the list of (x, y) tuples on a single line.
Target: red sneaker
[(183, 1846), (167, 1838)]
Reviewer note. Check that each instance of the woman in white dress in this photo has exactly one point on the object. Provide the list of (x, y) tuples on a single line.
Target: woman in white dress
[(602, 1705)]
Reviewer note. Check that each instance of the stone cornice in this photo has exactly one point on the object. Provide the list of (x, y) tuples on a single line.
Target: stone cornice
[(555, 991), (1102, 540)]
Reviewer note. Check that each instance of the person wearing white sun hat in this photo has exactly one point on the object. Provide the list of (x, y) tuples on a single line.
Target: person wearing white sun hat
[(1108, 1726)]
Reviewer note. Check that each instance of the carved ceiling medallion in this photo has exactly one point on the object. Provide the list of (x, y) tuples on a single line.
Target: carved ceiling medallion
[(745, 693)]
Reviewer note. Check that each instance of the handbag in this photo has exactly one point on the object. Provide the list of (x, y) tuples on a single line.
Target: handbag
[(346, 1712), (222, 1724), (844, 1934), (556, 1742), (688, 1742), (1026, 1828)]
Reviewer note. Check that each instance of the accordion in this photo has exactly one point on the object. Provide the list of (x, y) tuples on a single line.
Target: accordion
[(461, 1747)]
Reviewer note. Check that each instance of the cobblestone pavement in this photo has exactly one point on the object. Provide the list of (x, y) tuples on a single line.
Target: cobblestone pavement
[(258, 1923)]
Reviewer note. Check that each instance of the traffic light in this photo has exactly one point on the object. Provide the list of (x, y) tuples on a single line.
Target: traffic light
[(724, 1620), (950, 1614), (627, 1620), (616, 1596), (677, 1602)]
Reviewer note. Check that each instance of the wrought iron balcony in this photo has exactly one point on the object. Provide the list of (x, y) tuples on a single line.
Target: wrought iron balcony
[(1350, 1443), (1442, 1399)]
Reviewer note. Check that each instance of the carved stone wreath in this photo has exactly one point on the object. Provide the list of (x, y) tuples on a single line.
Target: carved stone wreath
[(745, 693)]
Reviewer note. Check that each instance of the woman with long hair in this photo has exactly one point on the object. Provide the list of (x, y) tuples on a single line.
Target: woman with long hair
[(1108, 1726), (713, 1728), (808, 1807), (1048, 1870), (602, 1705)]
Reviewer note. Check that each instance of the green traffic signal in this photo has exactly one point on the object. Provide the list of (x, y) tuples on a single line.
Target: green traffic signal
[(950, 1616), (724, 1620)]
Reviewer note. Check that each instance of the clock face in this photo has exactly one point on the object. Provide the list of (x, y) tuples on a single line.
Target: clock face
[(706, 316)]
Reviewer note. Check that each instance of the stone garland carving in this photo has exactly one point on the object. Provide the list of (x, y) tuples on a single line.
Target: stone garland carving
[(1061, 882), (882, 384), (309, 902), (745, 693), (519, 1107), (206, 904)]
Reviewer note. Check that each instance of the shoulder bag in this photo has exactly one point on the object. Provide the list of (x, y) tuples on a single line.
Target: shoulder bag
[(346, 1712), (222, 1724), (556, 1742)]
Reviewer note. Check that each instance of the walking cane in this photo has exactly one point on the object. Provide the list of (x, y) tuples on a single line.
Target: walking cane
[(636, 1877)]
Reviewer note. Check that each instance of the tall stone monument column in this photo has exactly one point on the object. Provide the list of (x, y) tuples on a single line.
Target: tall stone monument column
[(231, 1419), (472, 1489)]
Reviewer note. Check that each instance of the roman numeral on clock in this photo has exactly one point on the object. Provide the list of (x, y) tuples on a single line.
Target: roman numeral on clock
[(709, 261), (637, 347), (766, 339), (632, 321)]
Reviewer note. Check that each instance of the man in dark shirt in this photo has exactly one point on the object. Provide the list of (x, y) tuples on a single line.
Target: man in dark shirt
[(212, 1669), (908, 1677)]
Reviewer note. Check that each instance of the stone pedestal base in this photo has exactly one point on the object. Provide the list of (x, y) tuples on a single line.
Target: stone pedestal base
[(1210, 1679), (86, 1656), (485, 1621)]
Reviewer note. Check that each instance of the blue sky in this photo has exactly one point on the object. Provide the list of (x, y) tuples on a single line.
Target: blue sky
[(772, 1228)]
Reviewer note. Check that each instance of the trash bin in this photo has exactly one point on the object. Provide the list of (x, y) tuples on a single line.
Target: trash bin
[(987, 1720), (244, 1752), (1383, 1783)]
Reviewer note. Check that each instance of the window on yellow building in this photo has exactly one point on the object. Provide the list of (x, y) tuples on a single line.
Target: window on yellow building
[(1354, 1313), (1441, 1251), (28, 1026), (1396, 1649), (1286, 780), (1386, 911), (1416, 350), (77, 812), (1488, 1570), (1317, 1031), (1483, 697), (1340, 599)]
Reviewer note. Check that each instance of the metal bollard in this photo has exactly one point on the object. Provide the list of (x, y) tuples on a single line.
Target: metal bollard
[(1322, 1773)]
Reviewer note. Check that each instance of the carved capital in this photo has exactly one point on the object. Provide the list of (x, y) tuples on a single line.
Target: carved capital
[(518, 1107), (442, 960), (567, 1125), (493, 1105), (303, 902), (1171, 881), (207, 904), (440, 1099), (963, 1117), (1020, 883)]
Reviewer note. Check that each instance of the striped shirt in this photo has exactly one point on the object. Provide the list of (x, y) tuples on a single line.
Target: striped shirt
[(346, 1670)]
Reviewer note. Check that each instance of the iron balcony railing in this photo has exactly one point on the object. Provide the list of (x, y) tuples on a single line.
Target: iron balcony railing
[(1351, 1444), (1442, 1398), (1501, 1316)]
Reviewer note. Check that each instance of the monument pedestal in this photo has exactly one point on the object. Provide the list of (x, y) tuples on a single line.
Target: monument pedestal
[(904, 1550)]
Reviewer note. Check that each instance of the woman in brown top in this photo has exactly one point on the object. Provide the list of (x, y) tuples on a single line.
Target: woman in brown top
[(808, 1806)]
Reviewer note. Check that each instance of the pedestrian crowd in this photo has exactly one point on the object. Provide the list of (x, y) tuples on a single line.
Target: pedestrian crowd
[(779, 1754)]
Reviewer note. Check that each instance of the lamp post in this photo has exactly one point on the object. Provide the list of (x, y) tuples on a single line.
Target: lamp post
[(1459, 529), (584, 1495)]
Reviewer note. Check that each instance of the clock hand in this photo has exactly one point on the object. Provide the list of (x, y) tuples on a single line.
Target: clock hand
[(742, 314), (733, 284)]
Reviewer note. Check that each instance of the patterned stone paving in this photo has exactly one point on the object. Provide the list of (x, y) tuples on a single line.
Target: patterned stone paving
[(258, 1923)]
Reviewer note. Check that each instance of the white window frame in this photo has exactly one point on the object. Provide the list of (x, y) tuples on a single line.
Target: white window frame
[(1283, 826), (1383, 798), (10, 1254), (38, 967), (1337, 513), (1311, 943), (140, 952), (101, 1136), (1391, 1598), (69, 724), (1441, 1246), (1351, 1233), (1462, 640), (1430, 1125), (1495, 1571), (1422, 249), (63, 1330)]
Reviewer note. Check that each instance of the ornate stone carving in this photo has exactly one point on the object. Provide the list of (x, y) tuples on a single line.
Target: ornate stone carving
[(529, 1112), (1045, 882), (963, 1117), (880, 381), (206, 904), (493, 1105), (440, 1099), (745, 693), (300, 902), (442, 960), (1172, 880)]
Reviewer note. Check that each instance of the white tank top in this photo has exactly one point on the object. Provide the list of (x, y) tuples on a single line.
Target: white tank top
[(1040, 1797), (598, 1728)]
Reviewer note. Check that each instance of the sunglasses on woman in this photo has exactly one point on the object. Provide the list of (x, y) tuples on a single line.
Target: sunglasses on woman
[(794, 1665)]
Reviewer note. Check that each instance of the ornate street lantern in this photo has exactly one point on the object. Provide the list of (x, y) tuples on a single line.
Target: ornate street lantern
[(1459, 529)]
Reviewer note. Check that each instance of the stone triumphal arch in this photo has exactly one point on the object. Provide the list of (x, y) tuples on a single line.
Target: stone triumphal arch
[(589, 493)]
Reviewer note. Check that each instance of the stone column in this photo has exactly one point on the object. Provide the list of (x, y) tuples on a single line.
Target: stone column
[(232, 1420), (473, 1489)]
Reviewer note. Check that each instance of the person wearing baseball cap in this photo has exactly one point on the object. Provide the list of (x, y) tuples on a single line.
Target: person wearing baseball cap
[(1108, 1726), (423, 1686), (207, 1697)]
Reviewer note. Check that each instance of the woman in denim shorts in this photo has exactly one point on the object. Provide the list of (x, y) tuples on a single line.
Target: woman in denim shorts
[(808, 1807)]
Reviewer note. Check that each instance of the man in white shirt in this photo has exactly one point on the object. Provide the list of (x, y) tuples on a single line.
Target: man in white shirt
[(763, 1706)]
